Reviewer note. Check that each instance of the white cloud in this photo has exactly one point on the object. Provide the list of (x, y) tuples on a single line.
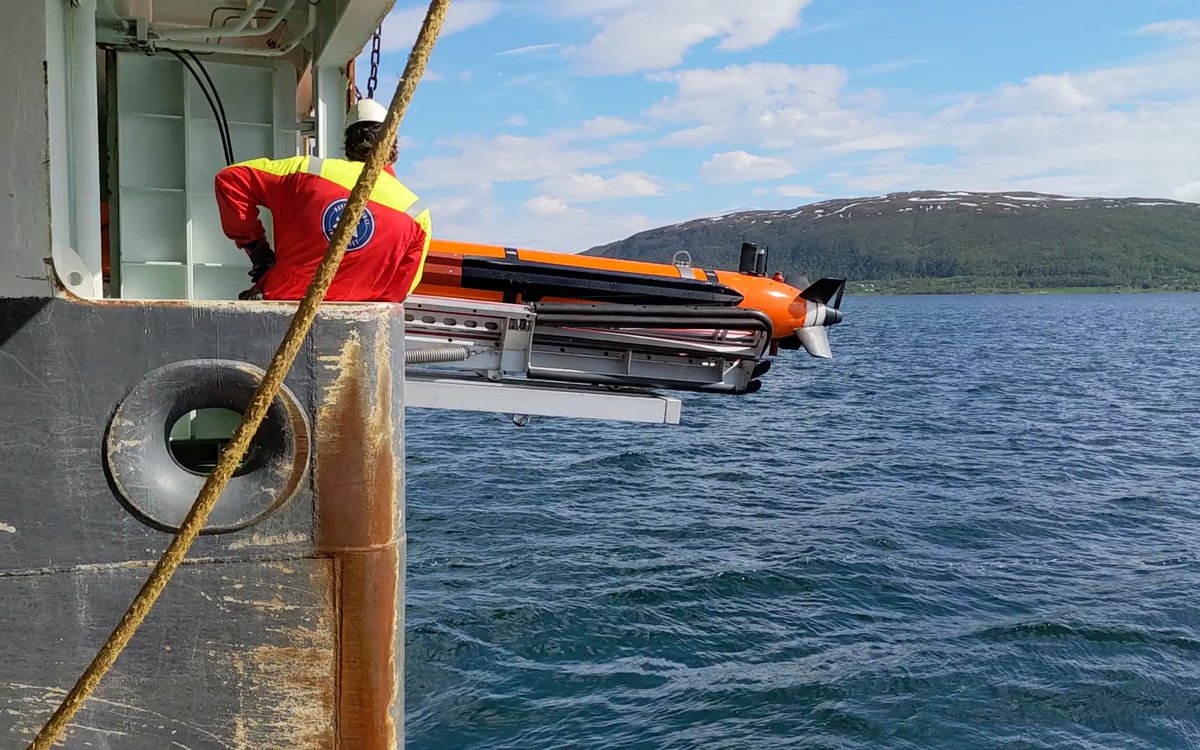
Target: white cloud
[(736, 89), (639, 35), (700, 135), (1189, 192), (529, 49), (879, 141), (401, 26), (506, 158), (1116, 131), (1125, 130), (1144, 150), (1068, 93), (579, 188), (1188, 28), (771, 105), (822, 27), (740, 166), (544, 205), (563, 154), (538, 224), (606, 127), (472, 213), (1048, 95)]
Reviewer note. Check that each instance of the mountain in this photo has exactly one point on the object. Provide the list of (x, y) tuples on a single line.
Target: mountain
[(930, 241)]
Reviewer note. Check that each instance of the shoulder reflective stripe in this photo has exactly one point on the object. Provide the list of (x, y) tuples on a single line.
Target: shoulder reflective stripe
[(281, 167), (314, 165), (416, 208), (388, 191), (423, 221)]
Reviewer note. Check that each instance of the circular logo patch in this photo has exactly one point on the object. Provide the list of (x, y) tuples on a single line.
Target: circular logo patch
[(362, 233)]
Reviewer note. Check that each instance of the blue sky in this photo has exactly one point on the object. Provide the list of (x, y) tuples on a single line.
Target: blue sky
[(564, 124)]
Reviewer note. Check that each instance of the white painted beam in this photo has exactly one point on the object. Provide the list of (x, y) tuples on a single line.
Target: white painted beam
[(354, 25), (329, 97), (427, 391), (84, 139), (26, 35)]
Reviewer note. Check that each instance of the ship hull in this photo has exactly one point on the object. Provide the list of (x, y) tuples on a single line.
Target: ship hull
[(284, 628)]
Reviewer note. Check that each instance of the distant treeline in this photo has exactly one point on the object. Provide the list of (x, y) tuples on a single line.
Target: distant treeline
[(954, 248)]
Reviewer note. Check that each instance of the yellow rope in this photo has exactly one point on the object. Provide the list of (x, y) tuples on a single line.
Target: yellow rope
[(285, 355)]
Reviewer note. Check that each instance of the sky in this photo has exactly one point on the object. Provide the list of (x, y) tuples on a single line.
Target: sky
[(566, 124)]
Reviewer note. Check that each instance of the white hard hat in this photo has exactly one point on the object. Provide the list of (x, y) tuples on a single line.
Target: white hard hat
[(365, 110)]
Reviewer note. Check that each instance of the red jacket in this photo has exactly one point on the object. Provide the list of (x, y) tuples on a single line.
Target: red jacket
[(306, 196)]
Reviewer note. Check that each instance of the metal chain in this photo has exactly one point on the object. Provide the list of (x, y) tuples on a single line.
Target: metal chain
[(374, 78)]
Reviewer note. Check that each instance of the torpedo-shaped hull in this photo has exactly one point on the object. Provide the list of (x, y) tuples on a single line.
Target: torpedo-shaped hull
[(495, 273)]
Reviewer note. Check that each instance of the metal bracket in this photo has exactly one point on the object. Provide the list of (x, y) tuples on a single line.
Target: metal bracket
[(678, 347), (597, 361)]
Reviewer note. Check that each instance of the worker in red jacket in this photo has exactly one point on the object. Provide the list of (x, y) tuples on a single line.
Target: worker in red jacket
[(306, 196)]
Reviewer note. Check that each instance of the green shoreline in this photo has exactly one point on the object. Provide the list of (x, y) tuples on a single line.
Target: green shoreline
[(868, 289)]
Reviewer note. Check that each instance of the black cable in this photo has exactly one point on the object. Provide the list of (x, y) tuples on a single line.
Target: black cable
[(224, 121), (227, 151), (225, 146)]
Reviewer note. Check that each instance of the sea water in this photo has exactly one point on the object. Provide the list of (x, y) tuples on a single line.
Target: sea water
[(978, 526)]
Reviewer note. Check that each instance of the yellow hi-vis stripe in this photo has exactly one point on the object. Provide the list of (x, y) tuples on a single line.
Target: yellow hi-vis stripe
[(422, 219), (279, 167), (387, 191)]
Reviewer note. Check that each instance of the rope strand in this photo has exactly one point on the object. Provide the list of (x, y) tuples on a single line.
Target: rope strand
[(285, 355)]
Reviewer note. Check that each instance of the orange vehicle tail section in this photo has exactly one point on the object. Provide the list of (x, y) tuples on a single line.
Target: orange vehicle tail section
[(452, 270)]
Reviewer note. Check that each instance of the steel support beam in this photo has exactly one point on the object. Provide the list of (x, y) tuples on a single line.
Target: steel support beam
[(329, 96), (343, 28), (84, 143), (435, 391), (356, 20), (32, 195)]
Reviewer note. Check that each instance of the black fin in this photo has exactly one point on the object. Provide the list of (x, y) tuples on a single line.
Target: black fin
[(826, 291)]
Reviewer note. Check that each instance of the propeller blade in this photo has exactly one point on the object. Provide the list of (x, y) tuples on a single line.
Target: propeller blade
[(815, 340)]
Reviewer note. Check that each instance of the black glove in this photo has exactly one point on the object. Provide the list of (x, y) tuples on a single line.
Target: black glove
[(262, 259)]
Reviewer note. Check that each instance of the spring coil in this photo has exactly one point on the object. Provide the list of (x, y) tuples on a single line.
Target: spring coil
[(427, 355)]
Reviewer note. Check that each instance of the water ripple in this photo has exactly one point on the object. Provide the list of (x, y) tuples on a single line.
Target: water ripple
[(976, 527)]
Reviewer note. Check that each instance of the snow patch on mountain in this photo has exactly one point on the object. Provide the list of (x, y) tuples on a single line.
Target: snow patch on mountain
[(932, 200), (1004, 203)]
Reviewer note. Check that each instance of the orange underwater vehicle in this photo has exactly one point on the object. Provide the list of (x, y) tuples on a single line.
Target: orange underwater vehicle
[(799, 317)]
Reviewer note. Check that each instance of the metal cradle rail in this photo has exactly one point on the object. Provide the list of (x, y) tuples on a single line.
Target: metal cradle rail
[(567, 359)]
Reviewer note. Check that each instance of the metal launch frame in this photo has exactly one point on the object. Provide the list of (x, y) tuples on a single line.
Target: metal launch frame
[(576, 360)]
